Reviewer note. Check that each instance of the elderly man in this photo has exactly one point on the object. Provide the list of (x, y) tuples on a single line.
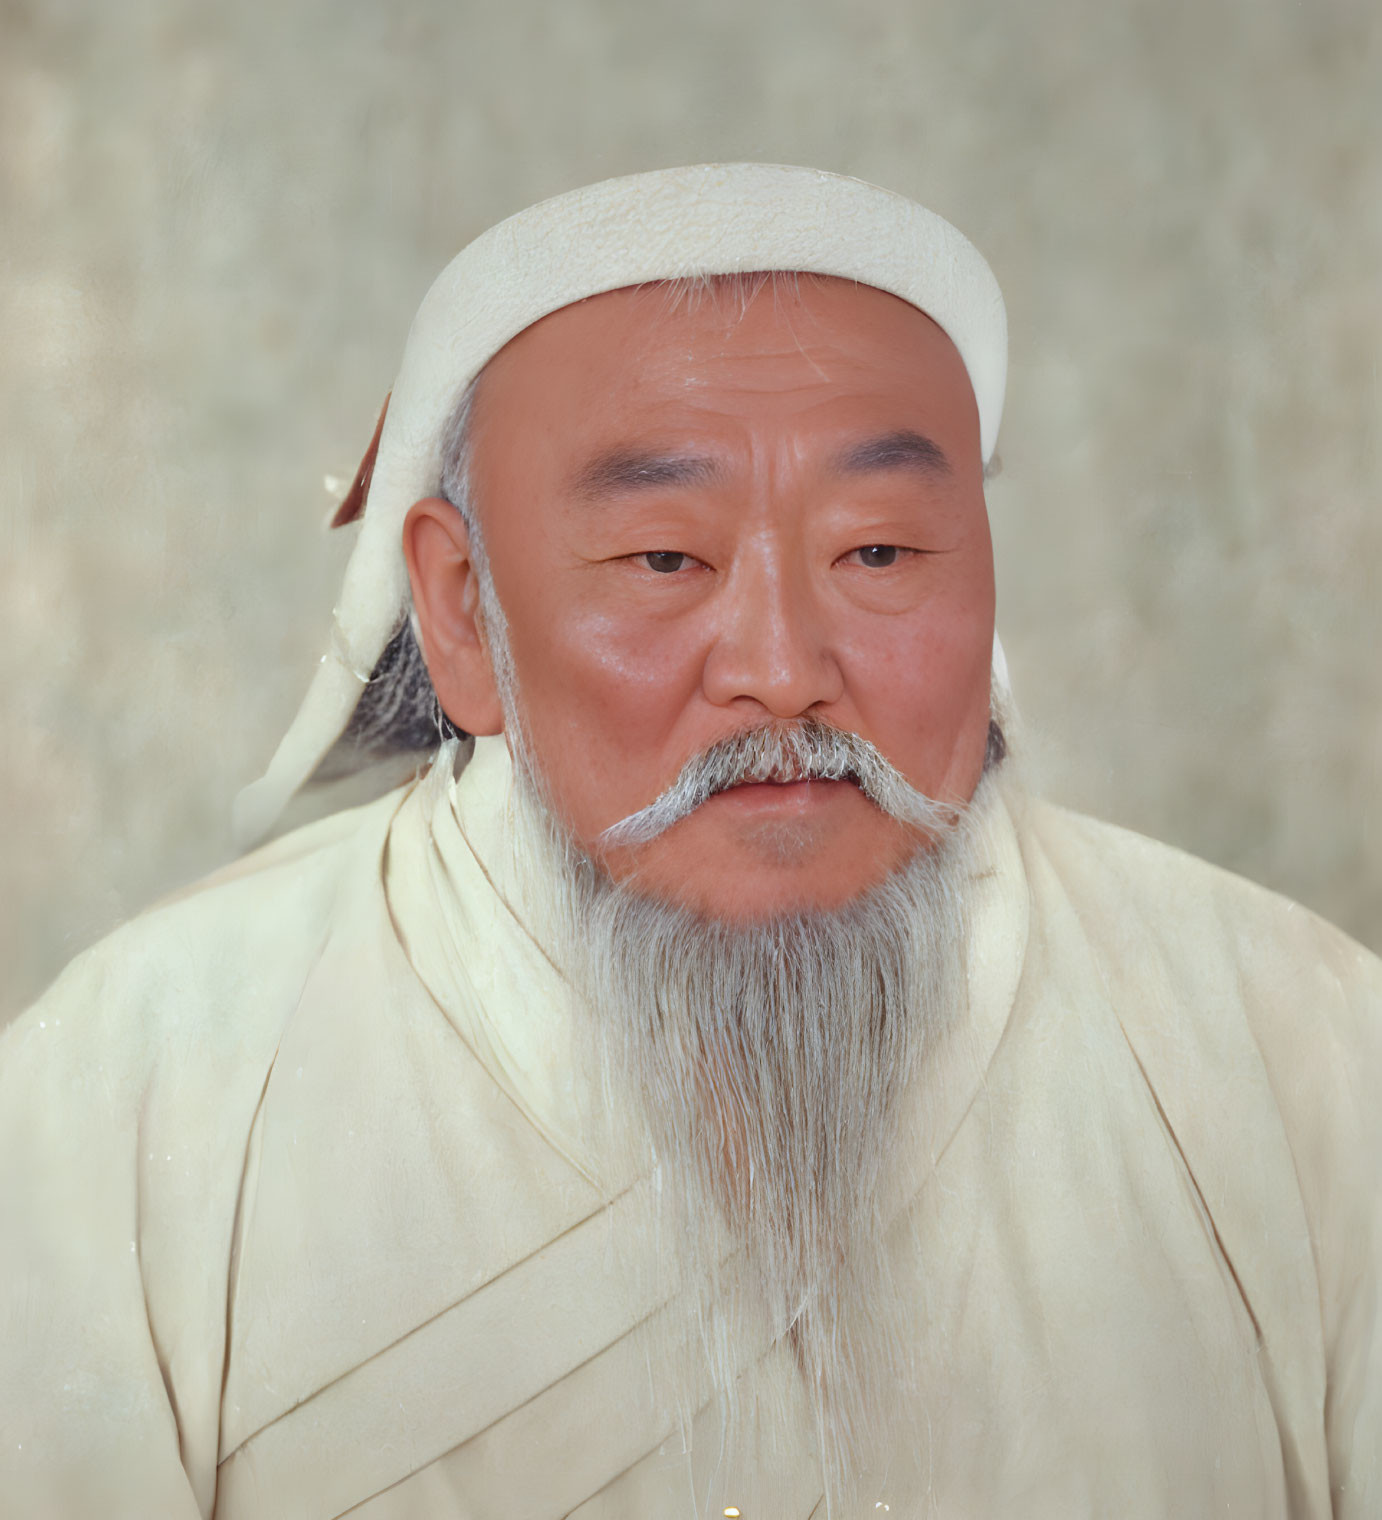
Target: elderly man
[(717, 1088)]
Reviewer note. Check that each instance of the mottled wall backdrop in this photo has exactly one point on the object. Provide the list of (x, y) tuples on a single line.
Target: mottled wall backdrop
[(217, 220)]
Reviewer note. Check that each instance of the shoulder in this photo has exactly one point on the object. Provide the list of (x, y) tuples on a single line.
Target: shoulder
[(1207, 920), (128, 1092), (128, 1096), (216, 967), (1230, 991)]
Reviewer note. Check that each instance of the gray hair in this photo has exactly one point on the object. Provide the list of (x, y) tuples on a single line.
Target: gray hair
[(773, 1072), (804, 750)]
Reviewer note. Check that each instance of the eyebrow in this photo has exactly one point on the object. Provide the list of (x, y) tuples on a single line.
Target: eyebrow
[(624, 470), (901, 450)]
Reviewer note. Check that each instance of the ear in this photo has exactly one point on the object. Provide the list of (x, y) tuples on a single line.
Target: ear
[(446, 599)]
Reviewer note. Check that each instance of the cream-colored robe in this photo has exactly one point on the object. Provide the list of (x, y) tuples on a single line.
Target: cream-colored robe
[(300, 1215)]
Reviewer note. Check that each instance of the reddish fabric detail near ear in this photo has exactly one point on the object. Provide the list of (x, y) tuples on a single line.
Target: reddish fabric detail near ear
[(354, 503)]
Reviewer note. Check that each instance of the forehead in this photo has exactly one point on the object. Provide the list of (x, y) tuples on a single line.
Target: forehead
[(738, 346)]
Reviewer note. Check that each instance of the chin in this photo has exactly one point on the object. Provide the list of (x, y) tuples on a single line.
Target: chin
[(765, 897)]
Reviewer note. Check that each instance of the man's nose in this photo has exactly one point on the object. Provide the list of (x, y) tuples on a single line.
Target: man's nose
[(772, 642)]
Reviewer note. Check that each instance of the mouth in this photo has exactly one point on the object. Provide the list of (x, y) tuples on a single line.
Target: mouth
[(790, 794), (790, 780)]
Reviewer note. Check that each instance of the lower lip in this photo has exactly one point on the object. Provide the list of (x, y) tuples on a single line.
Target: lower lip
[(785, 796)]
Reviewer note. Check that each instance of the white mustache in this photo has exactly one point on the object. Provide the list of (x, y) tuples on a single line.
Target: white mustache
[(806, 750)]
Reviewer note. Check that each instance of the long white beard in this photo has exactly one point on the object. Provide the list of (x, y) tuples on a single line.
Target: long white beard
[(774, 1070)]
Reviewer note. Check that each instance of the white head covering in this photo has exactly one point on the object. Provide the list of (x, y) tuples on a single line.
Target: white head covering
[(706, 220)]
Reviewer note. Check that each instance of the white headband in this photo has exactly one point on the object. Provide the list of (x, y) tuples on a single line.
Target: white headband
[(706, 220)]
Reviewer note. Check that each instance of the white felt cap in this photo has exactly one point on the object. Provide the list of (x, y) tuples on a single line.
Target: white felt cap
[(705, 220)]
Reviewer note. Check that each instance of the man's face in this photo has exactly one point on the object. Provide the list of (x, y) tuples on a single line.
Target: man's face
[(701, 519)]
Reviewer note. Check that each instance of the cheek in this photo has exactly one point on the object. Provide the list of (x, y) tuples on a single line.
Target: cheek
[(924, 690), (616, 684)]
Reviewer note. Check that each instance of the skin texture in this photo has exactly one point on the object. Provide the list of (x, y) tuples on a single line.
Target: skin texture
[(655, 608)]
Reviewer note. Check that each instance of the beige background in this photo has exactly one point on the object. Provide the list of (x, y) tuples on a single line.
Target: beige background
[(217, 220)]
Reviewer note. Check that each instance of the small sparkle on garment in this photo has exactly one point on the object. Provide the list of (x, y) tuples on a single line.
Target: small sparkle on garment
[(43, 1023), (731, 1512), (299, 1071)]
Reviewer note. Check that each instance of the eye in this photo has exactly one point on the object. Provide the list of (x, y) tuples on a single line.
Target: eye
[(664, 561), (877, 556)]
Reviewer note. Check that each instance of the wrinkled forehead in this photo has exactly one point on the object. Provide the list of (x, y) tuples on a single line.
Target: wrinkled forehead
[(765, 345)]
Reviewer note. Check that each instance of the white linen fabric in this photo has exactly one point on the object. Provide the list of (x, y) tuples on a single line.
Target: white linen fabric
[(302, 1218), (705, 219)]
